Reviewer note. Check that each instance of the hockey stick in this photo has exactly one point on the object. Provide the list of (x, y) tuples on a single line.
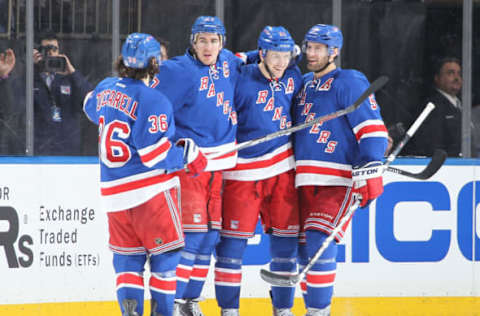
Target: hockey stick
[(375, 86), (290, 280), (435, 163), (433, 166)]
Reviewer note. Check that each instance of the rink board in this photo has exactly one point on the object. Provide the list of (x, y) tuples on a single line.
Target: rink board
[(421, 247)]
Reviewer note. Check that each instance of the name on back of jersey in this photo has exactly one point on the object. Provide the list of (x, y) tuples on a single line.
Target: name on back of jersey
[(117, 100)]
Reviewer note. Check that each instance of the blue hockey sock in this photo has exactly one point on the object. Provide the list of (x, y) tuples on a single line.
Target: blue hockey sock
[(284, 260), (187, 258), (163, 281), (302, 262), (321, 278), (129, 271), (201, 265), (228, 271)]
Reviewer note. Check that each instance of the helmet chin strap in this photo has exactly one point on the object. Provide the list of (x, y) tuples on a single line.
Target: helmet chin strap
[(323, 68)]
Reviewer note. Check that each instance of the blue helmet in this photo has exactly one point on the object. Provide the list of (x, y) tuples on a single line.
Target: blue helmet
[(275, 38), (138, 48), (329, 35), (208, 24)]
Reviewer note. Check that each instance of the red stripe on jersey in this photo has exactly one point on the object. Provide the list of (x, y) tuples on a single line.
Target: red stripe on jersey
[(321, 278), (156, 152), (199, 272), (370, 129), (136, 184), (129, 278), (265, 163), (161, 284), (221, 276), (324, 170), (233, 153)]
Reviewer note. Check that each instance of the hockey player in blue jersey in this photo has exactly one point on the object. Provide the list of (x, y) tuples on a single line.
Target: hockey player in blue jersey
[(327, 153), (200, 86), (136, 128), (262, 182)]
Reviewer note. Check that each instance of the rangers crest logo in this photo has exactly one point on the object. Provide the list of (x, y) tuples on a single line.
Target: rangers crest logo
[(226, 70)]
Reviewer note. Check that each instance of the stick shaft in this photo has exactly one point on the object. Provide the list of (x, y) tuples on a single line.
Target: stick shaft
[(375, 86)]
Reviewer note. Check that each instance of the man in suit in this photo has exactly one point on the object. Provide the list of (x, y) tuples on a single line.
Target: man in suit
[(443, 128)]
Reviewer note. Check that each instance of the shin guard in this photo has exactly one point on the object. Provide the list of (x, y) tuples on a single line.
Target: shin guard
[(228, 272), (284, 260), (129, 271)]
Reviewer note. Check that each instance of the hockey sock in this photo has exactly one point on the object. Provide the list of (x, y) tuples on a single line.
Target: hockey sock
[(129, 270), (321, 278), (201, 265), (187, 258), (163, 281), (228, 271), (302, 262), (284, 259)]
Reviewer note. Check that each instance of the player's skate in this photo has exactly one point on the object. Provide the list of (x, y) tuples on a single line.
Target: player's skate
[(154, 308), (318, 312), (129, 306), (187, 307), (282, 312), (230, 312)]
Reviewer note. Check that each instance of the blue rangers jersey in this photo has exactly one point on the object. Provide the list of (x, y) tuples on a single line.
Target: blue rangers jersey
[(263, 107), (136, 126), (326, 153), (202, 98)]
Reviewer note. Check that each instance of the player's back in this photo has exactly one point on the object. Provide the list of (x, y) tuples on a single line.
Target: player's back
[(135, 127)]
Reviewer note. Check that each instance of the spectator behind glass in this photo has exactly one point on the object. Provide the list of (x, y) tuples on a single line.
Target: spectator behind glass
[(59, 90), (11, 139), (164, 45), (443, 127)]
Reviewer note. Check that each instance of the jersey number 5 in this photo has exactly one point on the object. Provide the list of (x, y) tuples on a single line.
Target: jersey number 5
[(114, 153)]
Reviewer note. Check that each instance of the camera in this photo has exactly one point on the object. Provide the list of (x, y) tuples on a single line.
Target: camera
[(55, 64), (51, 63)]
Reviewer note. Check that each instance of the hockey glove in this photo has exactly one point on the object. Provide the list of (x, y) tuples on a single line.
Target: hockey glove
[(194, 160), (368, 181)]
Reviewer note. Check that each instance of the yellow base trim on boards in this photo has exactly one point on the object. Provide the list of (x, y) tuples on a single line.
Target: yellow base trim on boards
[(341, 306)]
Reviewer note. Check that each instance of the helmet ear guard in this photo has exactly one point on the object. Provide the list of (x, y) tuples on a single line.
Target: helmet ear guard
[(138, 48)]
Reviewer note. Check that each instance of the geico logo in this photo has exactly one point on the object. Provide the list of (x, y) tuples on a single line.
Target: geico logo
[(8, 240), (455, 236)]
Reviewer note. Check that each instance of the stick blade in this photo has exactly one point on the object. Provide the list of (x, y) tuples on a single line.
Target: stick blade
[(435, 164), (278, 279)]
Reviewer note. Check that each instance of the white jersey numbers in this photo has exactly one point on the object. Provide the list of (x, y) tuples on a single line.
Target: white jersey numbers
[(159, 123), (113, 151)]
